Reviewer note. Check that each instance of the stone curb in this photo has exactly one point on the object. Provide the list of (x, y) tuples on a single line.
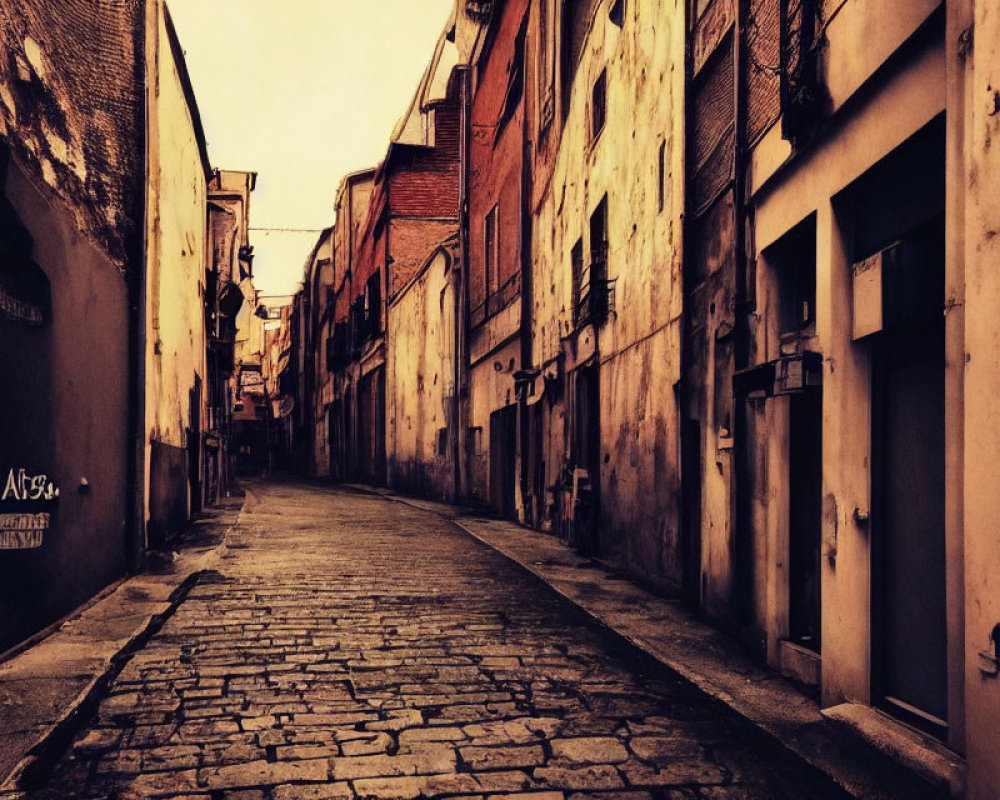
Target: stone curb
[(55, 736)]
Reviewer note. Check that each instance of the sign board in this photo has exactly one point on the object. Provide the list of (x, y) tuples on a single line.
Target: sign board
[(867, 290)]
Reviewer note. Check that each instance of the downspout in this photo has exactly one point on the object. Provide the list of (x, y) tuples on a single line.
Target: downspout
[(691, 558), (742, 509), (462, 454), (135, 545), (526, 286), (458, 443)]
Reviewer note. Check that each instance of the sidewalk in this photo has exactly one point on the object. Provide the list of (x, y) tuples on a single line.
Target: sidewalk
[(836, 741), (59, 677)]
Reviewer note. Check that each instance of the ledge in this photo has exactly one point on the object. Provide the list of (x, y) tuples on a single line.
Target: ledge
[(918, 753)]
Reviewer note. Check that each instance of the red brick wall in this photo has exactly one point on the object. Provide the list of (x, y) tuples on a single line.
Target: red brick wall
[(76, 122), (763, 89), (424, 182), (496, 155), (411, 243)]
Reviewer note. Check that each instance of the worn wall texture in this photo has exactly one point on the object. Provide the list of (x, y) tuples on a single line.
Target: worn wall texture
[(638, 347), (420, 380), (76, 122), (175, 282), (61, 422), (982, 411)]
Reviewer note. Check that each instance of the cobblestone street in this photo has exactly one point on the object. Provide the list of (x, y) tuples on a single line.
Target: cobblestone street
[(349, 646)]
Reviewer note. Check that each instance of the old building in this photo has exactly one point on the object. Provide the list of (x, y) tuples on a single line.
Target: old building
[(828, 345), (496, 257), (237, 407), (71, 270), (351, 207), (102, 286), (602, 434), (279, 381), (176, 236), (425, 298), (317, 390)]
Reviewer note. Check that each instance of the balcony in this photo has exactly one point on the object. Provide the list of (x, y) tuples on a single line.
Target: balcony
[(595, 298), (496, 300), (479, 10)]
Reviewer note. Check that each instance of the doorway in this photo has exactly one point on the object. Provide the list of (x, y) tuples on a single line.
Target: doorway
[(909, 518), (805, 485), (503, 467)]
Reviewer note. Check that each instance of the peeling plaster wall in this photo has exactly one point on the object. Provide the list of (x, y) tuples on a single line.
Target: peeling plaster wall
[(420, 380), (65, 416), (982, 408), (638, 347), (74, 118), (175, 290)]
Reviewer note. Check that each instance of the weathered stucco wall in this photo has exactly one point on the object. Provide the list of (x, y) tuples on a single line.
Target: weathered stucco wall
[(903, 105), (638, 347), (982, 404), (420, 380), (61, 421), (76, 121), (176, 260)]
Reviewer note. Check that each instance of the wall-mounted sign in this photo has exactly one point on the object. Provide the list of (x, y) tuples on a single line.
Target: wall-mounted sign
[(22, 526), (23, 531)]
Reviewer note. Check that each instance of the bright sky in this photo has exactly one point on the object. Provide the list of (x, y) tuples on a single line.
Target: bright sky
[(302, 92)]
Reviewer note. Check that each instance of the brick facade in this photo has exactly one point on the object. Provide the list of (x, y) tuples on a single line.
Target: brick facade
[(76, 122)]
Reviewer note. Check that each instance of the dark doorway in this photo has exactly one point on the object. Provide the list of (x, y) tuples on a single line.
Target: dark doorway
[(586, 453), (899, 215), (194, 446), (503, 452), (908, 472), (805, 486), (335, 431), (691, 509)]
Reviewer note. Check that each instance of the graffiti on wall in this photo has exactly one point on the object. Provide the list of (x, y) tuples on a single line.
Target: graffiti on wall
[(23, 528)]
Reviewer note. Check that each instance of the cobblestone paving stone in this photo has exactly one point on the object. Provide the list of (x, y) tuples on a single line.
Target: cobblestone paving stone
[(351, 647)]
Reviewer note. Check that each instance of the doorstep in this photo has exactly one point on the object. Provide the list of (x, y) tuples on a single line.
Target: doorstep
[(927, 757)]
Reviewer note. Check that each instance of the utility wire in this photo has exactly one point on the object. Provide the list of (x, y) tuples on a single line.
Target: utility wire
[(288, 230)]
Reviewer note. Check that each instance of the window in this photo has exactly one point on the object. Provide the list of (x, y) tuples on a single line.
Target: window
[(598, 105), (515, 81), (617, 13), (491, 250), (593, 293), (373, 304), (546, 66), (599, 238), (661, 185), (576, 262)]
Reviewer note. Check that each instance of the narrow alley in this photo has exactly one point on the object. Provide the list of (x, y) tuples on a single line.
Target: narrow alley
[(349, 646)]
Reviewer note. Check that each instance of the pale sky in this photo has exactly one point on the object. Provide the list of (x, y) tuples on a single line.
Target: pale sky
[(302, 92)]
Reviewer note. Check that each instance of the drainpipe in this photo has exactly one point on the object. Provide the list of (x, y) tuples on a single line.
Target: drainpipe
[(742, 510), (460, 448), (526, 355), (135, 543)]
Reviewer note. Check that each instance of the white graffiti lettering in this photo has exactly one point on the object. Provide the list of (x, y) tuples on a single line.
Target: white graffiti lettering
[(22, 486)]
